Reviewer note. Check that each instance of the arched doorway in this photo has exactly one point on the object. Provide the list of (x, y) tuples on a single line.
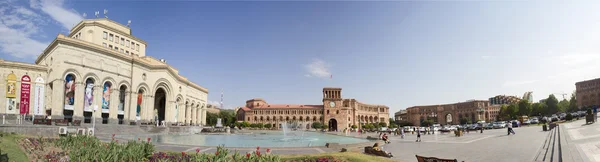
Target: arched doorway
[(160, 104), (332, 125), (448, 118)]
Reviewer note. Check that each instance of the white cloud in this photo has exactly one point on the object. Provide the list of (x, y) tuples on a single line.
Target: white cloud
[(19, 24), (318, 68), (66, 17)]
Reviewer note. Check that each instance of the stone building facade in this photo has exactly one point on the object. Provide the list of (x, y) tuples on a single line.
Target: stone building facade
[(473, 110), (587, 93), (336, 112), (504, 99), (401, 116), (100, 71)]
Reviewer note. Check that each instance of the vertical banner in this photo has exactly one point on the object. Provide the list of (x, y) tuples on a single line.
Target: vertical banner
[(69, 92), (38, 105), (88, 97), (139, 106), (11, 94), (25, 90), (121, 101), (106, 97)]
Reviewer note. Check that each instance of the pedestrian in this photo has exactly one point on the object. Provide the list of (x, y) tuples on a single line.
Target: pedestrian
[(402, 133), (418, 136), (510, 128)]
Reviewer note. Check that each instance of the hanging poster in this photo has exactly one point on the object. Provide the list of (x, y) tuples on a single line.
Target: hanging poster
[(121, 102), (69, 92), (25, 90), (106, 97), (38, 105), (88, 97), (139, 106), (11, 94)]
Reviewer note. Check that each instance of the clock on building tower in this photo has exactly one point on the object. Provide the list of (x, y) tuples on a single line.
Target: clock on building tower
[(331, 104)]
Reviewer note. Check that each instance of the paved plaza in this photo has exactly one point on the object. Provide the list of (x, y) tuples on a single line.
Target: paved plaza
[(582, 142), (491, 145)]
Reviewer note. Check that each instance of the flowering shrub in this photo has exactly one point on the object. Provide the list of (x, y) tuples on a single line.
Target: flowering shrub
[(221, 155), (86, 148)]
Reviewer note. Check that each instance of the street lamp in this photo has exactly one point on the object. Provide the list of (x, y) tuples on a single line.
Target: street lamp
[(480, 111), (434, 116)]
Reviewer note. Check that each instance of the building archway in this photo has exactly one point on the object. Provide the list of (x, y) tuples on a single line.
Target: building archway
[(160, 101), (332, 125)]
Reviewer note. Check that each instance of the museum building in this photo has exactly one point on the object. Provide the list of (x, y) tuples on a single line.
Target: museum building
[(472, 110), (336, 112), (101, 71)]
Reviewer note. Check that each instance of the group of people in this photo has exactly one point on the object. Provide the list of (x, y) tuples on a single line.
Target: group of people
[(384, 137)]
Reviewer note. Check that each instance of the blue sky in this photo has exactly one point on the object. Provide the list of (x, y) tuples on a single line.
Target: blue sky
[(399, 54)]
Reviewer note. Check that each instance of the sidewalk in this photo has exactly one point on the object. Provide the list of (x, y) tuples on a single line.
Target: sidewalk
[(581, 142)]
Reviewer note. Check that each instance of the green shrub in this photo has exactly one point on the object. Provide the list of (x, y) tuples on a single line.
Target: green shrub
[(569, 117)]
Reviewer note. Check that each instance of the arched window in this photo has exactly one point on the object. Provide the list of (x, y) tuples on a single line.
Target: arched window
[(337, 111), (122, 91), (106, 96), (327, 112), (138, 109), (88, 97), (69, 92)]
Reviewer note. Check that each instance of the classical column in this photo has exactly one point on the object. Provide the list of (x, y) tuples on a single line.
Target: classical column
[(57, 99), (188, 110), (79, 100), (193, 115)]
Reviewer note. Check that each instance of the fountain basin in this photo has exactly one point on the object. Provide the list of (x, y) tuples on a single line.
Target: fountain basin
[(259, 138)]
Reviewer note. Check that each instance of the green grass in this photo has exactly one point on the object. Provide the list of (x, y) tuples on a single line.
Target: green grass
[(9, 145), (344, 156)]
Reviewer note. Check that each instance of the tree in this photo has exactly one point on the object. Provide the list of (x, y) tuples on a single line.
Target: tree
[(211, 118), (464, 120), (392, 121), (405, 123), (537, 109), (573, 103), (354, 126), (317, 125), (524, 107), (512, 111), (393, 125), (382, 124), (245, 124), (426, 123), (552, 104), (563, 105)]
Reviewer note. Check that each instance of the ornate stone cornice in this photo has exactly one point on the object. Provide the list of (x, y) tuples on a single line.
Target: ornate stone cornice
[(26, 66), (61, 39)]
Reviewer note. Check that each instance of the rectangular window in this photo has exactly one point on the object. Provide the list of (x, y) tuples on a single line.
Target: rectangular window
[(122, 41), (110, 46), (127, 43), (104, 44), (137, 47), (105, 34), (110, 37), (132, 45), (116, 48), (127, 52), (122, 51), (117, 39)]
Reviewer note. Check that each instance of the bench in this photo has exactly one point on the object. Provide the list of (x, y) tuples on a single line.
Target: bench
[(61, 122), (369, 150), (42, 121), (76, 123), (433, 159)]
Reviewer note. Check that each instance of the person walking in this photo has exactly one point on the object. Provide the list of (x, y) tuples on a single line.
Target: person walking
[(510, 129), (402, 133), (418, 136)]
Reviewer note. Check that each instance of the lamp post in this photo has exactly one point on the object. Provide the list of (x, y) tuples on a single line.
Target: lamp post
[(434, 116), (480, 111)]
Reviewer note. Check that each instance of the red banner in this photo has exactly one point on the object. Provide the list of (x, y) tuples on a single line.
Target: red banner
[(25, 86)]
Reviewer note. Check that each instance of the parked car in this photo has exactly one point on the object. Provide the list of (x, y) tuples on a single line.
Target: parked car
[(526, 122), (489, 126), (535, 121), (500, 124)]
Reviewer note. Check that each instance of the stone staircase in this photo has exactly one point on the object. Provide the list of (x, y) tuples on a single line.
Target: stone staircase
[(551, 150)]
